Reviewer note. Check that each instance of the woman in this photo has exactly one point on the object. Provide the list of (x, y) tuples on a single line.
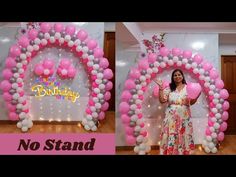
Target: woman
[(177, 129)]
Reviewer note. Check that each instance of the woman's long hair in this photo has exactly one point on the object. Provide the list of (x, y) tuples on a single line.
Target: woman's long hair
[(172, 84)]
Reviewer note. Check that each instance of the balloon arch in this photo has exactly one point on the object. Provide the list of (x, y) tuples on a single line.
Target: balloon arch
[(79, 43), (132, 96)]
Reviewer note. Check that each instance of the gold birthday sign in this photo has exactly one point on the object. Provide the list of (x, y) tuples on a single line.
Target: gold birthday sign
[(42, 91)]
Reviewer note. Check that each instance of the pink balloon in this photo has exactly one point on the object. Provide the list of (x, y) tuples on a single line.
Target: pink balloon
[(221, 136), (7, 96), (38, 70), (225, 116), (82, 35), (13, 116), (33, 33), (15, 51), (109, 85), (58, 27), (208, 132), (11, 107), (156, 91), (107, 74), (187, 54), (207, 66), (88, 111), (144, 133), (197, 58), (140, 115), (7, 74), (5, 85), (70, 29), (164, 51), (210, 123), (45, 27), (10, 62), (129, 84), (101, 115), (71, 72), (92, 44), (223, 126), (94, 85), (219, 83), (130, 140), (103, 63), (105, 106), (212, 105), (193, 90), (23, 41), (143, 64), (91, 103), (107, 96), (123, 107), (213, 74), (152, 57), (65, 63), (125, 119), (225, 105), (224, 94), (98, 53), (134, 73), (176, 51), (126, 95), (129, 130), (47, 63)]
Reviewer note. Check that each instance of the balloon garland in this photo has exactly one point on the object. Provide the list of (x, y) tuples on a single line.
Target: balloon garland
[(130, 107), (86, 49)]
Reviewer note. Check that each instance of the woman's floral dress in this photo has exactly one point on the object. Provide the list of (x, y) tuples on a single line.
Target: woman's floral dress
[(177, 129)]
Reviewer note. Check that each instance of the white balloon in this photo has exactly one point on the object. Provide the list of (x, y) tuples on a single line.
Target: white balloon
[(140, 139), (78, 48), (98, 81), (36, 41), (19, 124), (134, 118), (175, 59), (89, 117), (149, 71), (142, 78), (185, 60), (137, 129), (214, 110), (92, 108), (194, 65), (44, 42), (133, 107), (84, 121), (52, 39), (216, 95), (219, 106), (142, 146), (28, 54), (96, 66), (206, 84), (179, 63), (216, 125), (36, 47), (30, 48), (213, 119), (67, 38), (212, 129), (195, 70), (90, 63), (140, 92), (16, 75), (156, 64), (138, 101), (165, 59), (95, 99), (19, 90), (143, 84), (99, 75), (136, 149), (15, 96), (98, 105), (207, 150), (100, 95), (70, 43), (85, 49), (85, 56), (19, 106), (19, 65), (207, 79), (94, 114), (211, 92), (21, 99), (30, 123), (91, 123), (138, 111), (135, 96), (204, 142), (155, 70), (24, 62), (46, 35), (57, 35), (138, 87), (214, 150), (141, 152), (214, 135), (25, 122), (162, 65), (62, 40), (170, 63), (218, 115), (212, 87), (94, 128), (77, 42), (22, 115), (211, 145), (19, 80), (14, 85), (101, 86), (201, 77), (201, 71), (90, 57), (215, 101), (148, 76), (47, 72), (86, 127), (94, 72), (208, 138), (24, 129)]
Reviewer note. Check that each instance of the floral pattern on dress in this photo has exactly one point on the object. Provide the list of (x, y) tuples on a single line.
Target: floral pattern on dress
[(177, 128)]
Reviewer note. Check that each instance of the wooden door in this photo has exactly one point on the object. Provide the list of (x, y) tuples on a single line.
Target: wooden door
[(228, 68), (109, 53)]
